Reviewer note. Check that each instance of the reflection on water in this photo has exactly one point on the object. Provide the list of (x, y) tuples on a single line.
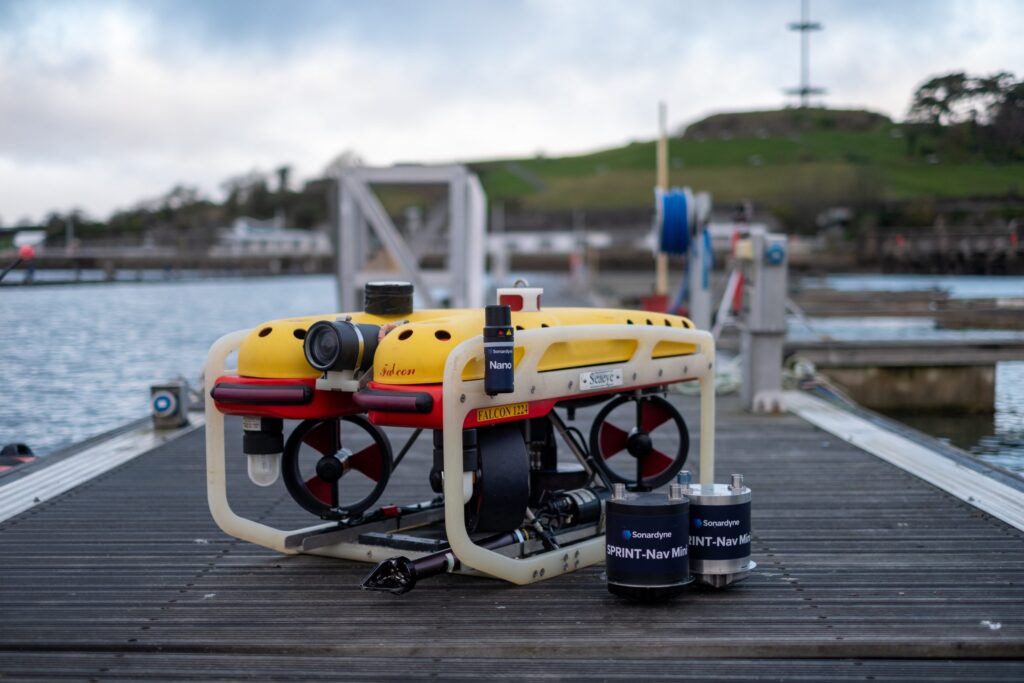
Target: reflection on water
[(957, 286), (886, 328)]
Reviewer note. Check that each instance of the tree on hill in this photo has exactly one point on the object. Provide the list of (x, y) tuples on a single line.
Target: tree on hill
[(965, 114), (1008, 121)]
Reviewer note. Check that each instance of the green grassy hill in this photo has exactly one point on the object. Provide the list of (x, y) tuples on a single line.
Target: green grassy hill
[(779, 159)]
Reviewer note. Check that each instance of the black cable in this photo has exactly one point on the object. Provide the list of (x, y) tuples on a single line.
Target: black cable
[(578, 437), (406, 447)]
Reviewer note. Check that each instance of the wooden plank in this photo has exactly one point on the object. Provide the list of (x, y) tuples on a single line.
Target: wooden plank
[(32, 489), (126, 576)]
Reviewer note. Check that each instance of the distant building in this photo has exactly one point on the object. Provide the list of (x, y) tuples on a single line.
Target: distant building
[(253, 237), (34, 238)]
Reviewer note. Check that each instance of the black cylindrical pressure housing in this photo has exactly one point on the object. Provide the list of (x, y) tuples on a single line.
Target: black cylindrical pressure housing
[(262, 435), (340, 345), (388, 298), (499, 370), (579, 506), (646, 546), (470, 457)]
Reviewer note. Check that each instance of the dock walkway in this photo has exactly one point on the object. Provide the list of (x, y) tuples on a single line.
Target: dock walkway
[(865, 572)]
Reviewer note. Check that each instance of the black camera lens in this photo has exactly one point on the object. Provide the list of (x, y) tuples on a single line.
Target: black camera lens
[(322, 346), (340, 345)]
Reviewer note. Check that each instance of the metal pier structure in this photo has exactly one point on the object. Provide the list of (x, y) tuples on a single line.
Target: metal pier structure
[(866, 571)]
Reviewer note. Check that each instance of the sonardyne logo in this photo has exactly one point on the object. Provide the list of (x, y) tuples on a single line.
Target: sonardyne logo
[(658, 535), (698, 522)]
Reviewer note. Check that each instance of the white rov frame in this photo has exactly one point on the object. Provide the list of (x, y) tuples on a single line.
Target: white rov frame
[(460, 398)]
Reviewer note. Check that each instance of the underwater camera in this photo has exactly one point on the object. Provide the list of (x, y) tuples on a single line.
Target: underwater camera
[(341, 345)]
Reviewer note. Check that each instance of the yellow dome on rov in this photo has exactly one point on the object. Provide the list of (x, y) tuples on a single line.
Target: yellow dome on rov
[(416, 352)]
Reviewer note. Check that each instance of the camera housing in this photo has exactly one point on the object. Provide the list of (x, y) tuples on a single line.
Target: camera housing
[(336, 345)]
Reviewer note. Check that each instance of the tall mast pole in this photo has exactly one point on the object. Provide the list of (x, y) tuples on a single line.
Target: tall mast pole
[(805, 26), (661, 272)]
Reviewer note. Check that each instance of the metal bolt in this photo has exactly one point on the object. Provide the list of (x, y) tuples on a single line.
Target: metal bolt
[(675, 492), (618, 491), (737, 482)]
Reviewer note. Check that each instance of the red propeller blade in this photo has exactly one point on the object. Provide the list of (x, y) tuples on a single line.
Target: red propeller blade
[(653, 415), (324, 437), (611, 439), (367, 461), (319, 488), (654, 463)]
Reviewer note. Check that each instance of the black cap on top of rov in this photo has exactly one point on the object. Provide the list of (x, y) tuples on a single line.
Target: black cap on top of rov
[(388, 298), (497, 315)]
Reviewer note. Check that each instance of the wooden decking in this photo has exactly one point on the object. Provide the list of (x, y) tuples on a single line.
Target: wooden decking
[(865, 572)]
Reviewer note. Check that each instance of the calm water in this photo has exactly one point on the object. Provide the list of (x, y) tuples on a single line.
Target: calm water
[(958, 286), (79, 360)]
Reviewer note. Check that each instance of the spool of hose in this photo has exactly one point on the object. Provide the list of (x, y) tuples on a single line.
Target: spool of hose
[(673, 220)]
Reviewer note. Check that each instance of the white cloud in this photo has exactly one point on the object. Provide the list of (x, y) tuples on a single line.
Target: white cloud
[(106, 104)]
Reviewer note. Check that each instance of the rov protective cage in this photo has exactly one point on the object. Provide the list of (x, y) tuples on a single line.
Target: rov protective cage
[(506, 506)]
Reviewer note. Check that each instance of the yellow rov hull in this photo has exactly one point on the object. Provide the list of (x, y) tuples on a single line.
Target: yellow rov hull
[(416, 352)]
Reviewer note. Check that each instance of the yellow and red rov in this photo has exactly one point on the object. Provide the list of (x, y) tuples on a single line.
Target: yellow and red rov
[(504, 506)]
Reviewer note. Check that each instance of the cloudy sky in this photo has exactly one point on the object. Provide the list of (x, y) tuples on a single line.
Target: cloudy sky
[(106, 103)]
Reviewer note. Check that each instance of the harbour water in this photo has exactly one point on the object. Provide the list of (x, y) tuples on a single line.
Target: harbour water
[(997, 438), (957, 286), (78, 360)]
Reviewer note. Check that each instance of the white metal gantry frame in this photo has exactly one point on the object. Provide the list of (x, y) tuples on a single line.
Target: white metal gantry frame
[(460, 397), (360, 212)]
